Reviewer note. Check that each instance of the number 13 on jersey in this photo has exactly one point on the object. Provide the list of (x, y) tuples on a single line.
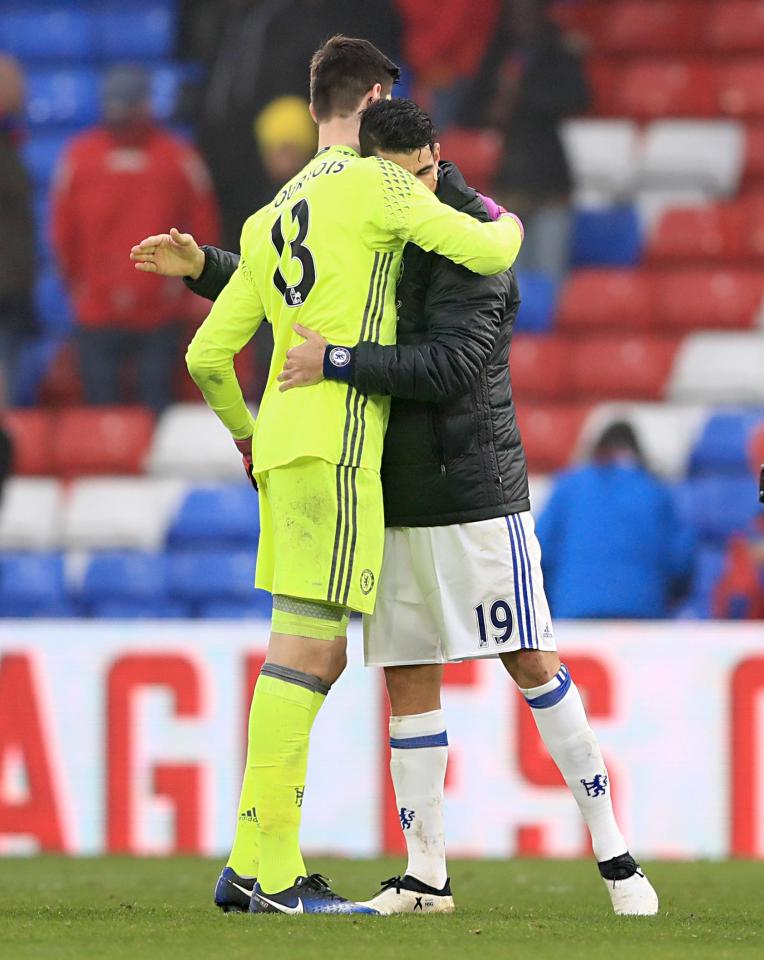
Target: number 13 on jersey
[(294, 294)]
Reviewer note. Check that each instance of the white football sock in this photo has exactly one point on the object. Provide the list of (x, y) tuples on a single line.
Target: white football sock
[(564, 728), (418, 757)]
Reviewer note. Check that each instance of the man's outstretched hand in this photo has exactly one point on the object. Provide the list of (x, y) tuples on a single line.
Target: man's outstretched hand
[(172, 254), (304, 365)]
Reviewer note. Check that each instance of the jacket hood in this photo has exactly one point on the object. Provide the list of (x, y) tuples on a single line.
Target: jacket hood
[(453, 190)]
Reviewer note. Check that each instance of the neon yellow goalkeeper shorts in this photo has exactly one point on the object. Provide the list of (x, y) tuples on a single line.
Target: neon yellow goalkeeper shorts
[(322, 532)]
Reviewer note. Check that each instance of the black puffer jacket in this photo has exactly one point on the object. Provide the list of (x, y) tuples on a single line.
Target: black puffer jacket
[(453, 452)]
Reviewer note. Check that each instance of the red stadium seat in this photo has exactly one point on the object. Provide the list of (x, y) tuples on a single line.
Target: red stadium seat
[(603, 76), (709, 299), (741, 88), (622, 368), (61, 386), (540, 367), (699, 233), (101, 440), (550, 433), (583, 19), (606, 300), (652, 26), (753, 211), (736, 26), (753, 172), (476, 152), (32, 432), (673, 88)]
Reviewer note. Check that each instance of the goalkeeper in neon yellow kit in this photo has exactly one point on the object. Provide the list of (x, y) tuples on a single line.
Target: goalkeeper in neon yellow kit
[(326, 253)]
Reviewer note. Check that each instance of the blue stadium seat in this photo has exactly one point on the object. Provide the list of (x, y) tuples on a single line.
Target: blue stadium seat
[(47, 31), (32, 584), (63, 96), (37, 356), (707, 569), (161, 609), (128, 31), (217, 516), (54, 312), (538, 295), (42, 151), (723, 447), (719, 506), (166, 85), (609, 238), (203, 575), (258, 608), (125, 575)]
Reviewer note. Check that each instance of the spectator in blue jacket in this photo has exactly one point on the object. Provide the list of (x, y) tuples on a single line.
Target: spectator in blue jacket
[(613, 544)]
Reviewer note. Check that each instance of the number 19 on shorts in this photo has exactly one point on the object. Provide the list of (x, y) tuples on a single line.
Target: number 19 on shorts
[(495, 622)]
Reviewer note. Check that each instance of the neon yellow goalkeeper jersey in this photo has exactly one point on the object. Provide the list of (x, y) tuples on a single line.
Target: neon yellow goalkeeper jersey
[(326, 253)]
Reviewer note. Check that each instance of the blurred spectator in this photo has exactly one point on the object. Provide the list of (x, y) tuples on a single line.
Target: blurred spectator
[(258, 50), (17, 238), (115, 183), (739, 595), (286, 137), (612, 542), (444, 52), (532, 79)]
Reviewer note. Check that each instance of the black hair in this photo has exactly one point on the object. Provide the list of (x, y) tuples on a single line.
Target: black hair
[(343, 70), (396, 126), (616, 438)]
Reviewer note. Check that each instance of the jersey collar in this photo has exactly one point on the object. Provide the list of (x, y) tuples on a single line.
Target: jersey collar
[(339, 148)]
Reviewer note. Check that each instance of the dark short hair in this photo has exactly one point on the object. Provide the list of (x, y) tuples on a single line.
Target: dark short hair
[(343, 70), (396, 126), (617, 437)]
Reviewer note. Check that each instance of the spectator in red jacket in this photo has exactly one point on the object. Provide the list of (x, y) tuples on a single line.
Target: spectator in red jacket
[(114, 183)]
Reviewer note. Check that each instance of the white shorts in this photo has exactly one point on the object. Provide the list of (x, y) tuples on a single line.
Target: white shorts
[(459, 592)]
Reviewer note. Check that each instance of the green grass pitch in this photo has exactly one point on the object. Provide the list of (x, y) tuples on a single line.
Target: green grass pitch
[(117, 908)]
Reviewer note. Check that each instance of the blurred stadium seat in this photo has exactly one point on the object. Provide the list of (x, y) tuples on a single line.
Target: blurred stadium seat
[(216, 516), (477, 153), (603, 155), (610, 237), (191, 442), (42, 151), (258, 606), (32, 584), (63, 96), (201, 576), (707, 154), (550, 433), (649, 89), (538, 298), (127, 32), (101, 440), (723, 368), (124, 576), (719, 506), (735, 26), (38, 32), (162, 608), (630, 368), (714, 233), (709, 299), (605, 299), (30, 514), (651, 27), (128, 513), (724, 446), (31, 431), (741, 88), (540, 368)]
